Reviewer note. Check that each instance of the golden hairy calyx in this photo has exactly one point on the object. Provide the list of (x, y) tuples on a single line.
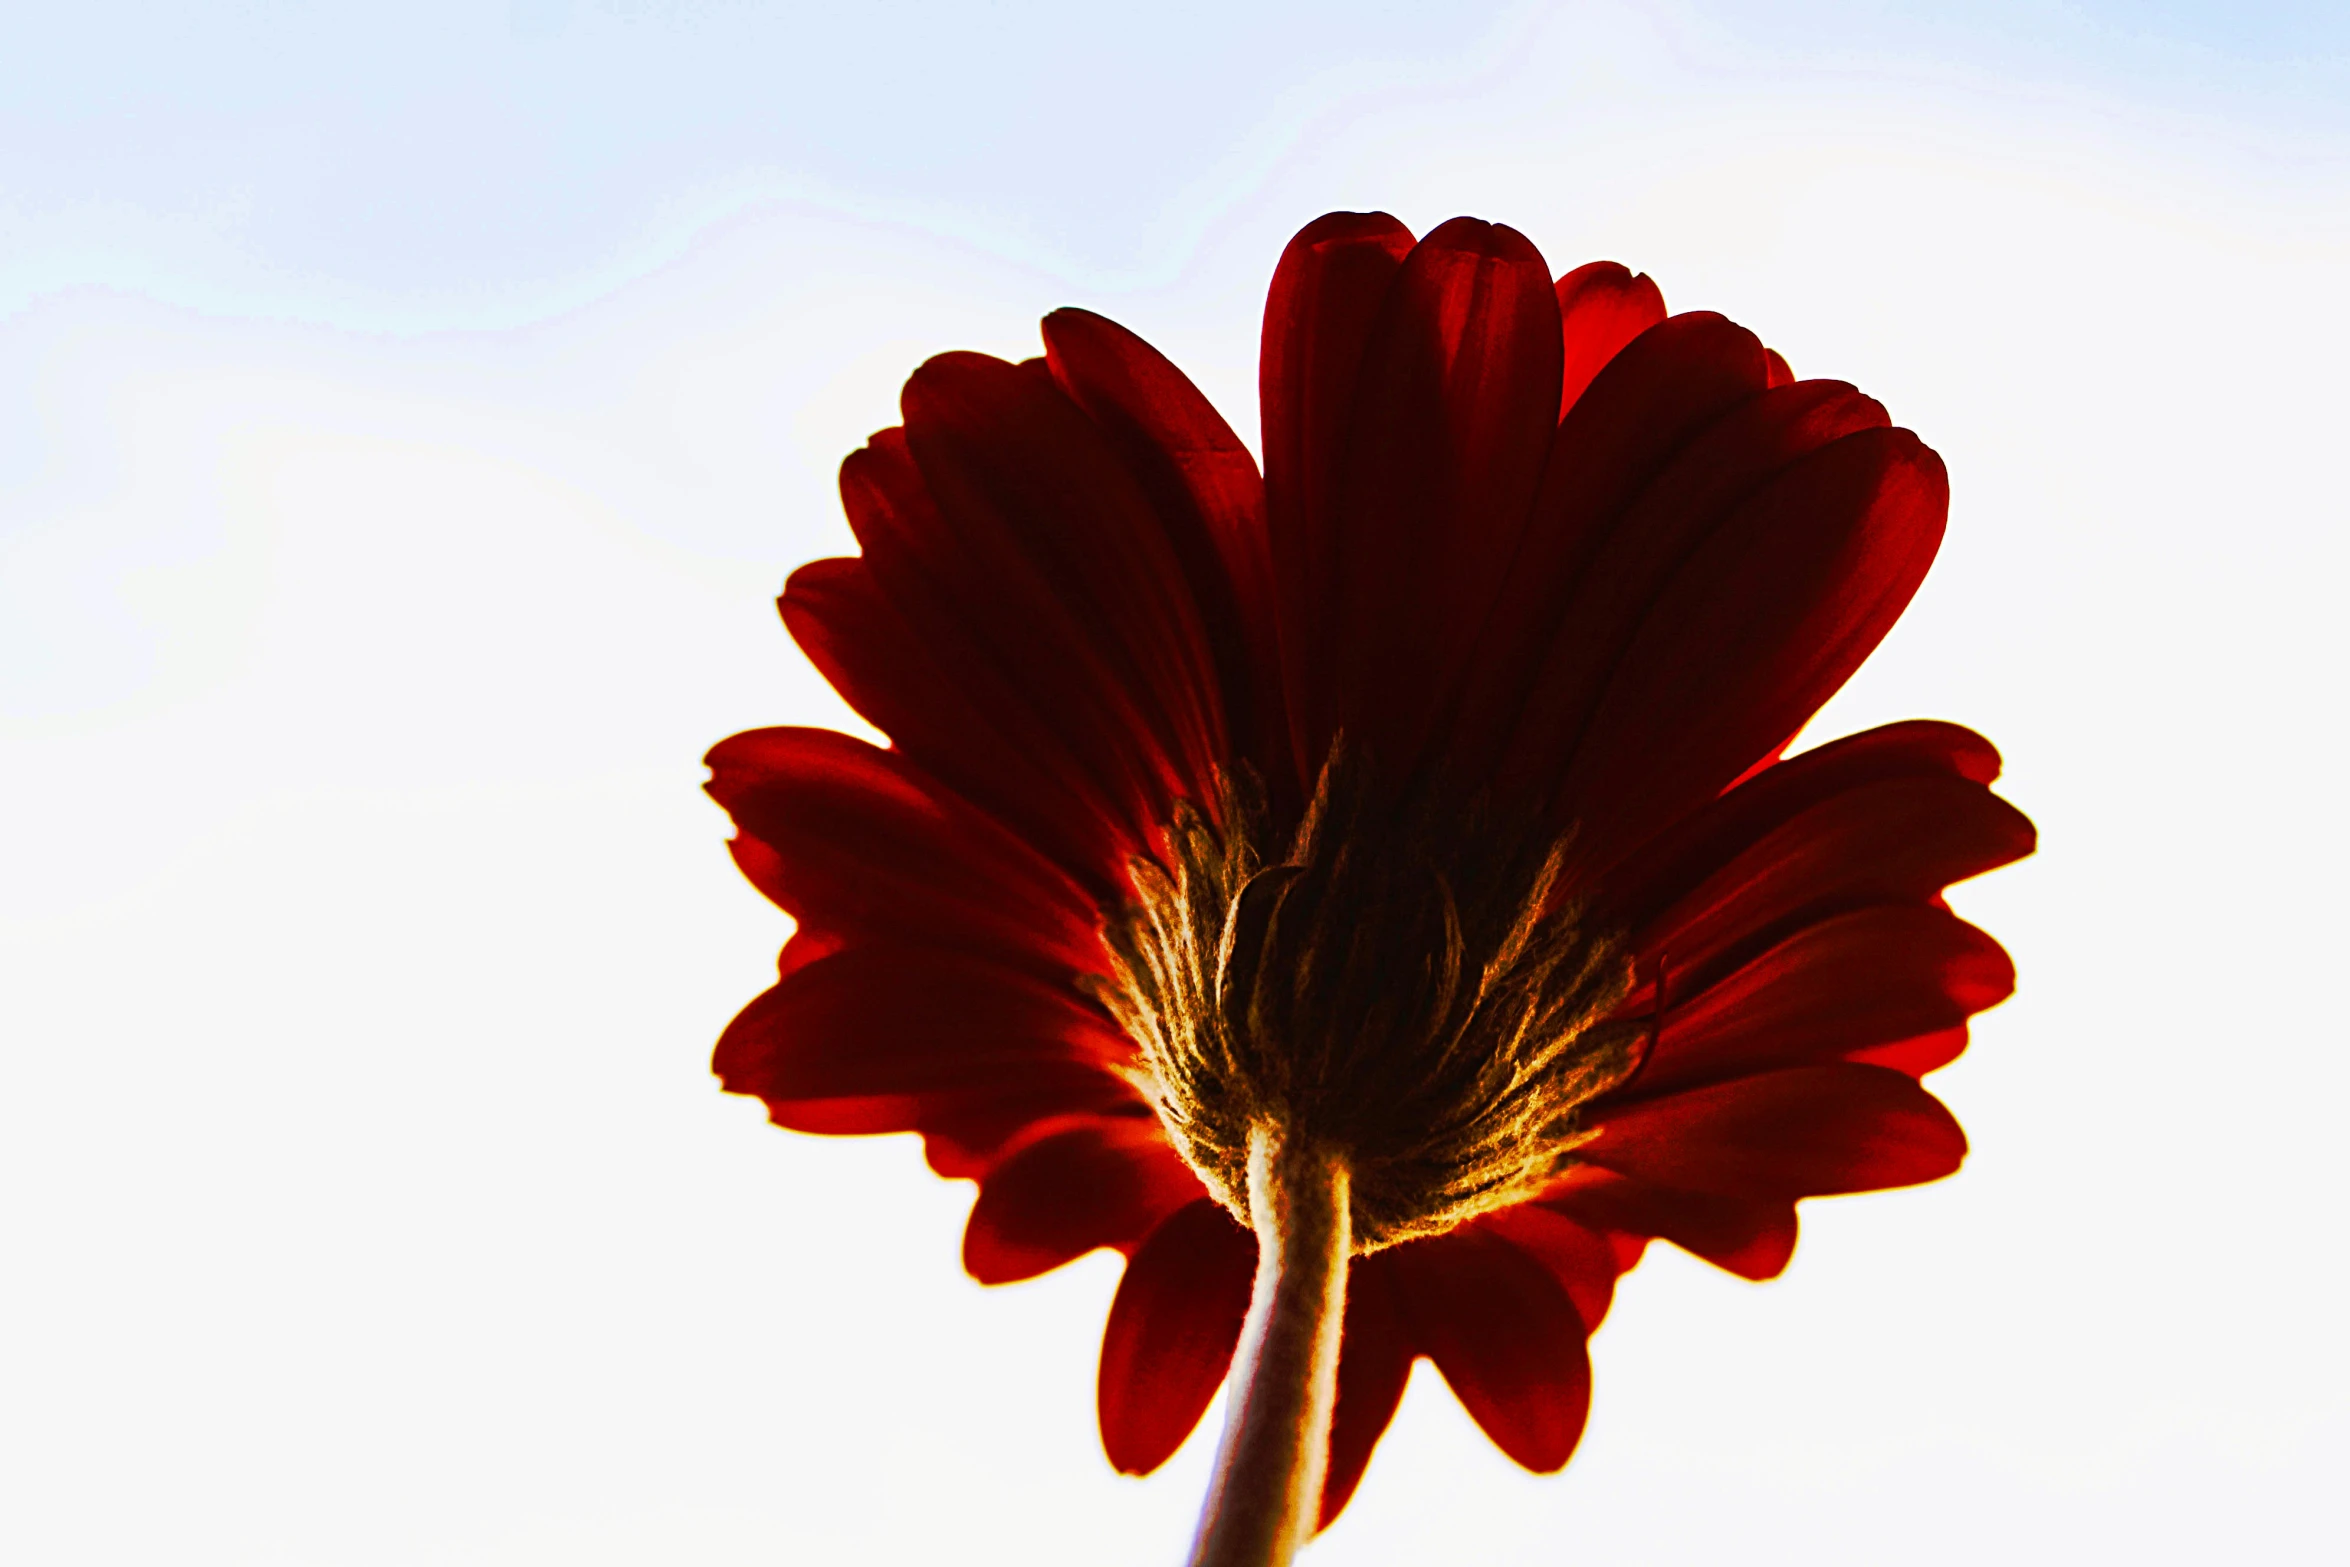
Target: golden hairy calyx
[(1397, 983)]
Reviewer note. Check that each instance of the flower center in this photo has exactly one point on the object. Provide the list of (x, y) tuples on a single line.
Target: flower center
[(1400, 982)]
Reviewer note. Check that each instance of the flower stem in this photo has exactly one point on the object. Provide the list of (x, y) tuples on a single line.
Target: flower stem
[(1266, 1495)]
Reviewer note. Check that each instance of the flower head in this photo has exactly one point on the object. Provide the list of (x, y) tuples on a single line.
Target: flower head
[(1423, 798)]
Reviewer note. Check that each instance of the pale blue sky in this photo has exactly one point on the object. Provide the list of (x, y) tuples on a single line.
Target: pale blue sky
[(444, 164)]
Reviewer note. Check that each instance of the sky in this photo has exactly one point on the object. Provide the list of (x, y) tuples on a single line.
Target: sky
[(407, 415)]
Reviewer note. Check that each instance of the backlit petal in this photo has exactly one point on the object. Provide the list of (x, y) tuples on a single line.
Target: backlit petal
[(1750, 1236), (887, 1019), (944, 713), (1326, 294), (1756, 629), (1209, 498), (1871, 977), (1805, 1132), (1898, 840), (1506, 1337), (1454, 408), (1602, 307), (1173, 1328), (1057, 1197), (1072, 563), (861, 842)]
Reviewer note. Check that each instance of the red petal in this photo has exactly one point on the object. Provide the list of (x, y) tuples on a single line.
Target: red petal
[(1634, 556), (1172, 1330), (803, 947), (1755, 630), (1916, 1057), (1318, 317), (879, 1020), (861, 842), (1664, 389), (1602, 307), (937, 711), (1578, 1256), (1506, 1337), (1750, 1236), (1454, 408), (1071, 569), (965, 1129), (1780, 374), (1898, 840), (1872, 977), (1374, 1363), (1209, 498), (1094, 1183), (1639, 891), (1033, 681), (1806, 1132), (867, 1115), (966, 1132)]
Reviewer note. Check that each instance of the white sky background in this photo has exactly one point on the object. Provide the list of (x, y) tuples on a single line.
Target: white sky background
[(404, 426)]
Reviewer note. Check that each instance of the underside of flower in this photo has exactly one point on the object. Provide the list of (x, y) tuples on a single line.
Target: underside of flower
[(1398, 980), (1548, 557)]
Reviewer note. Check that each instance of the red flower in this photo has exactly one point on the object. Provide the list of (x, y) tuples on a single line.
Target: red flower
[(1555, 577)]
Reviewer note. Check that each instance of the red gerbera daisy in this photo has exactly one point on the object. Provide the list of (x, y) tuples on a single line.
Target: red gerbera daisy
[(1388, 858)]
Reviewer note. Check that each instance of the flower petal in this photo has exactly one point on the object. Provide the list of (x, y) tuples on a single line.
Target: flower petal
[(1506, 1337), (1631, 557), (1916, 1057), (938, 706), (1875, 976), (1033, 677), (1756, 629), (1325, 296), (1173, 1328), (1097, 1182), (1750, 1236), (1577, 1255), (1209, 498), (1374, 1363), (1639, 891), (1804, 1132), (1602, 307), (967, 1132), (877, 1019), (1657, 395), (1072, 563), (1897, 840), (1455, 404), (861, 842)]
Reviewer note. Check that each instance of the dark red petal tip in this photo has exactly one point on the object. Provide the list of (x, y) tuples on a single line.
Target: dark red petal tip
[(1806, 1132), (863, 843), (1506, 1336), (1095, 1183), (878, 1018), (1172, 1330), (1751, 1237), (1854, 981)]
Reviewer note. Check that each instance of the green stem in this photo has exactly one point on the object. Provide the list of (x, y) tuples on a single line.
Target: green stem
[(1266, 1495)]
